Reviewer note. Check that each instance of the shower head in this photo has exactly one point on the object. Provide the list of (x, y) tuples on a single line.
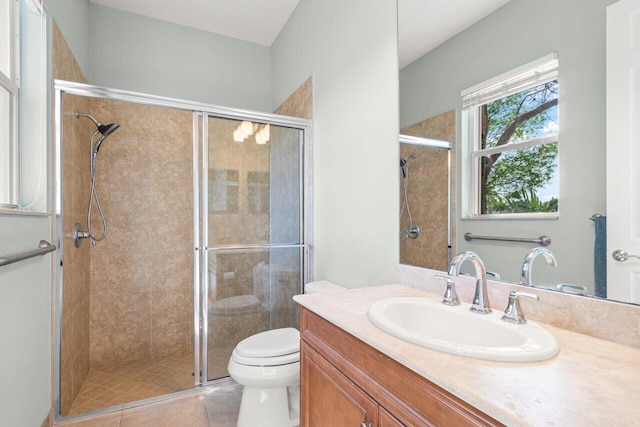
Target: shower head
[(105, 130)]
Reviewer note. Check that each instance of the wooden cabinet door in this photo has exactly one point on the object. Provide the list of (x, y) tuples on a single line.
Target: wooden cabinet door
[(388, 420), (328, 398)]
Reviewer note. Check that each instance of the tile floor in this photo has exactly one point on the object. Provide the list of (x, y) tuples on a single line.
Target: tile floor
[(214, 406), (133, 381)]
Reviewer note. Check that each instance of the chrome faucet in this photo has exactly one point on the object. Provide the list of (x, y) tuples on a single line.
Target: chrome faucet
[(513, 313), (480, 303), (527, 263)]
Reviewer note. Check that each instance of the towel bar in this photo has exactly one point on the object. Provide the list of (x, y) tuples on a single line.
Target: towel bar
[(542, 240), (44, 247)]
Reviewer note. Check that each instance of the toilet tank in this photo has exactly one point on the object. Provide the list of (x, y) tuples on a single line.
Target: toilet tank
[(322, 286)]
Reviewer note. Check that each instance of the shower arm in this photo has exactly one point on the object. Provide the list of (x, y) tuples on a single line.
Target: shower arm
[(89, 116)]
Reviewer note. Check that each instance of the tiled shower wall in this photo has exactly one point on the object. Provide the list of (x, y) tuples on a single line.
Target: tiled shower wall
[(427, 194), (142, 273), (75, 316)]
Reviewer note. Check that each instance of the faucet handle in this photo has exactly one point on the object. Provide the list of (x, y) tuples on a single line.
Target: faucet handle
[(450, 297), (513, 313)]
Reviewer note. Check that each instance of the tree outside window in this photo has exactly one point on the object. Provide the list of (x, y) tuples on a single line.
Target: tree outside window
[(514, 143)]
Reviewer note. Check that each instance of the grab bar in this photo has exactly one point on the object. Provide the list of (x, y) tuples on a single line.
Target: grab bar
[(542, 240), (44, 247)]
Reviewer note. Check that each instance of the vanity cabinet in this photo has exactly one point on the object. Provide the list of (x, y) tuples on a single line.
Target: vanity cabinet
[(345, 382)]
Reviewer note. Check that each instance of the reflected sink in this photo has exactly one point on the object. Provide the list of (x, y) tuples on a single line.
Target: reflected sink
[(429, 323)]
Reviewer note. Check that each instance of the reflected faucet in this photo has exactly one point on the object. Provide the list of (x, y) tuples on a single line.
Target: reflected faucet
[(480, 303), (527, 264)]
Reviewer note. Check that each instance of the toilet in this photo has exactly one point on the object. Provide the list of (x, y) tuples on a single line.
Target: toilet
[(267, 365)]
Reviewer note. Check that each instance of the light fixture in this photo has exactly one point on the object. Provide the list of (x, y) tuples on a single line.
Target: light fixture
[(262, 136), (246, 128), (237, 136)]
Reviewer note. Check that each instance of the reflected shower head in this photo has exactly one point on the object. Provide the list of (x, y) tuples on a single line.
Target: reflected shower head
[(403, 163)]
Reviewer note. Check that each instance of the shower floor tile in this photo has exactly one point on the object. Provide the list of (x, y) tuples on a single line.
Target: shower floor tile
[(214, 406), (133, 381)]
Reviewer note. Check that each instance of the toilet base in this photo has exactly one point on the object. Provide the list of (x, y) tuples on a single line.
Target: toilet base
[(267, 407)]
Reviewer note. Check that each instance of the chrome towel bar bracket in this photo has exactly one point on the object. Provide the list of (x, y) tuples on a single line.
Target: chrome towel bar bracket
[(44, 247)]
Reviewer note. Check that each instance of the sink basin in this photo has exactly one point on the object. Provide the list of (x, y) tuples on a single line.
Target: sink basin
[(429, 323)]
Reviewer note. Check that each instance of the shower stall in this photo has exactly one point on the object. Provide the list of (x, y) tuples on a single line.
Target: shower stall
[(207, 216), (426, 225)]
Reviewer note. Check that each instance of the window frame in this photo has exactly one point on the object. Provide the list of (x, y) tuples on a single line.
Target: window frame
[(12, 85), (530, 75)]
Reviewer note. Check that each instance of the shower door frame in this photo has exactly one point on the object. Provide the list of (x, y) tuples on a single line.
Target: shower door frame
[(198, 110), (304, 246)]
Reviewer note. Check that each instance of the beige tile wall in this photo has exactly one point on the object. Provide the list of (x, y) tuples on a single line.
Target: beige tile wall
[(142, 275), (300, 102), (75, 273), (427, 194)]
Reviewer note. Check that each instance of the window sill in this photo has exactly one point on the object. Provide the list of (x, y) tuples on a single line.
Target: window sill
[(19, 212), (511, 217)]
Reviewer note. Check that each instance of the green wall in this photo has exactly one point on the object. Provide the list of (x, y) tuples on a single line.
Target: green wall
[(25, 286), (123, 50), (350, 49), (25, 323)]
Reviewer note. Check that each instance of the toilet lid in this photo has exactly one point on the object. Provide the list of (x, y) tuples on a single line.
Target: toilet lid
[(277, 342)]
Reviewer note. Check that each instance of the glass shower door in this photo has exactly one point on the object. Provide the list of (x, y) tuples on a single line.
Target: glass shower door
[(253, 232)]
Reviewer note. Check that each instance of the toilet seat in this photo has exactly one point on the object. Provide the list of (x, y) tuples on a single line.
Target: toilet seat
[(266, 361), (270, 348)]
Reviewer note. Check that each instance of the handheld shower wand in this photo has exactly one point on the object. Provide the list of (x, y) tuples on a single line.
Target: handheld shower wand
[(78, 234), (413, 231)]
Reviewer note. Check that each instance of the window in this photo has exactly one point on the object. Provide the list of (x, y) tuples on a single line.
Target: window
[(510, 124), (9, 82)]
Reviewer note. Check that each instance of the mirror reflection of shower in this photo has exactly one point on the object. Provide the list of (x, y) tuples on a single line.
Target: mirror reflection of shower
[(413, 230), (105, 131)]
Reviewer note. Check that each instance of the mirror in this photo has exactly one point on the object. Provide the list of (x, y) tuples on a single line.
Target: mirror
[(433, 84)]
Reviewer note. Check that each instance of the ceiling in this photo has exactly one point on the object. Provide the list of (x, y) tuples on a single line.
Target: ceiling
[(423, 24)]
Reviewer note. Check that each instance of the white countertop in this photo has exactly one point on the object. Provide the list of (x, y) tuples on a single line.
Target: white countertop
[(591, 382)]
